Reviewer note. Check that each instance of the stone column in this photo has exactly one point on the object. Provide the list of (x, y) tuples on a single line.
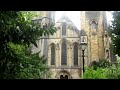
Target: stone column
[(49, 55), (79, 56), (69, 56), (71, 53), (59, 56)]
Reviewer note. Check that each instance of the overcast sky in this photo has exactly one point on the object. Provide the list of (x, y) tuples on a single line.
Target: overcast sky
[(75, 16)]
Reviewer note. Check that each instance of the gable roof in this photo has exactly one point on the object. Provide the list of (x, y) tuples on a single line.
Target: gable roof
[(75, 28), (83, 33), (64, 18)]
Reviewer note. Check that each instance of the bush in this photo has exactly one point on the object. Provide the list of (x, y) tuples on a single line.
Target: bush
[(114, 71), (103, 70), (90, 73), (102, 63)]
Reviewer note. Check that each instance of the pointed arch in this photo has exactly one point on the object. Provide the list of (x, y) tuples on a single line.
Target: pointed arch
[(64, 73), (93, 21), (93, 24), (64, 39)]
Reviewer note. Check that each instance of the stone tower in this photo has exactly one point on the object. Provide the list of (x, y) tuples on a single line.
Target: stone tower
[(44, 17), (94, 24), (48, 16)]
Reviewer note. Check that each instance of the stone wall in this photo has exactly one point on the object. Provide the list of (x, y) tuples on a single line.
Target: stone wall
[(96, 45)]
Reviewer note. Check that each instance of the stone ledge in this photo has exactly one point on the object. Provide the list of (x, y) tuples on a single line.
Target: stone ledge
[(64, 67)]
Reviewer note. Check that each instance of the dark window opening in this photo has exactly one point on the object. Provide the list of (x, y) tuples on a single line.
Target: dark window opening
[(53, 55), (63, 28), (75, 55), (64, 54), (61, 77)]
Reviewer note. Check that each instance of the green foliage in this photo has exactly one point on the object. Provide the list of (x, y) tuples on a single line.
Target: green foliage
[(17, 33), (111, 72), (49, 73), (90, 73), (114, 71), (115, 32), (29, 66), (32, 67), (102, 63)]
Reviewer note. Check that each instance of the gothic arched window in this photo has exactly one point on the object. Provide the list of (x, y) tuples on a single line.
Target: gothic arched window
[(63, 28), (64, 54), (93, 25), (75, 55), (53, 54)]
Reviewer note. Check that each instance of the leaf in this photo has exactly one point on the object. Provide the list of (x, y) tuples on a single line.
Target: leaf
[(34, 42)]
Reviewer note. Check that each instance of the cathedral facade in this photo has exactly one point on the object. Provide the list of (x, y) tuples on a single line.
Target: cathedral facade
[(70, 50)]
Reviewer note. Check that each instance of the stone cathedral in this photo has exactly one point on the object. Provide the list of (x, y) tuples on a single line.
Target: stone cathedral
[(69, 49)]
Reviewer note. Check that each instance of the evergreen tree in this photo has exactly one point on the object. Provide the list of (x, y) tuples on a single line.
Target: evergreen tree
[(115, 32)]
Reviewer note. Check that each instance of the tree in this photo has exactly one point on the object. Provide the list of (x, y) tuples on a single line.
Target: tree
[(17, 33), (115, 32)]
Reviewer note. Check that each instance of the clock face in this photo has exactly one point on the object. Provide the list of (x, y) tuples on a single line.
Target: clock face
[(83, 39)]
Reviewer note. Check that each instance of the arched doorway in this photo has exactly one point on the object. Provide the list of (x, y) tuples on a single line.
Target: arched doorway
[(63, 77), (63, 74)]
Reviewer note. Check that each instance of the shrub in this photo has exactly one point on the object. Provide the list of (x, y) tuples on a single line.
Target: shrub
[(90, 73), (102, 63)]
